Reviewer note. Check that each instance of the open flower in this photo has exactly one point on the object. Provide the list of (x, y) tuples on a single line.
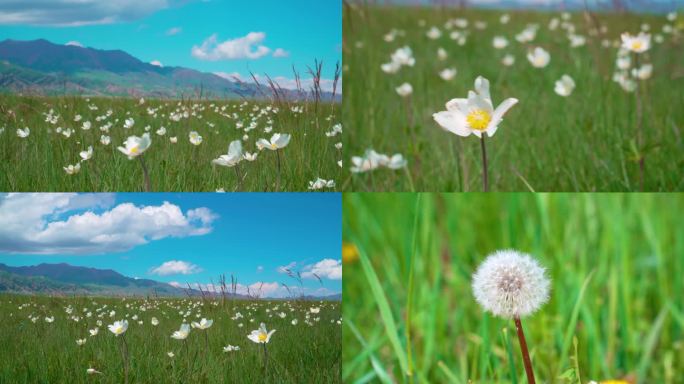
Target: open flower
[(231, 348), (637, 44), (72, 169), (134, 146), (644, 72), (510, 284), (195, 138), (94, 331), (128, 123), (119, 327), (447, 74), (564, 86), (500, 42), (81, 341), (93, 371), (154, 321), (182, 333), (203, 324), (475, 114), (321, 183), (23, 133), (539, 57), (261, 335), (278, 140), (87, 154), (233, 157), (404, 90)]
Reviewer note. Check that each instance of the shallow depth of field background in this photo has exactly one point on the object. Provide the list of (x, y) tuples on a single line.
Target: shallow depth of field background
[(626, 248), (546, 142), (35, 163), (44, 352)]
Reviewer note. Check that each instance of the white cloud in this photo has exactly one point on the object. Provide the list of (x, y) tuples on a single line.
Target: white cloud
[(176, 267), (74, 43), (286, 268), (279, 52), (52, 223), (174, 31), (76, 13), (157, 63), (325, 269), (246, 47)]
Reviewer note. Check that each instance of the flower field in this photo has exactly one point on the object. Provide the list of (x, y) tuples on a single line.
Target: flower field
[(89, 144), (84, 340), (442, 99)]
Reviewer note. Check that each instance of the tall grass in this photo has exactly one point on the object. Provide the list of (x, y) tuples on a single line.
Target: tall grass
[(585, 142), (616, 263), (36, 163)]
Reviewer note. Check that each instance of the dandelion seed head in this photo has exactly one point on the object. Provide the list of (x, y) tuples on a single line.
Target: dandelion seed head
[(510, 284)]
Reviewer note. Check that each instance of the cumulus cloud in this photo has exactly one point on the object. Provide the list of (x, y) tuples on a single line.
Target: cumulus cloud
[(156, 63), (325, 269), (76, 13), (246, 47), (279, 52), (74, 43), (174, 31), (176, 267), (55, 223)]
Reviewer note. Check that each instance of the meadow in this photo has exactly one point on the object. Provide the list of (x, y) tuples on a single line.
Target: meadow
[(40, 338), (615, 312), (71, 144), (618, 127)]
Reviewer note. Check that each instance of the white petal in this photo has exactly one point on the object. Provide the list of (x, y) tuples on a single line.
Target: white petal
[(452, 121), (498, 114)]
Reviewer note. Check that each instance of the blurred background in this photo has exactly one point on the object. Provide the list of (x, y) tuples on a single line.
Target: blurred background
[(616, 262)]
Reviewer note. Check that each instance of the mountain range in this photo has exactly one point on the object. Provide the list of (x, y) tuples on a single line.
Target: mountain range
[(66, 279), (44, 68)]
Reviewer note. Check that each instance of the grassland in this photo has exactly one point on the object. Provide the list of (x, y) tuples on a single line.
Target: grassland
[(46, 352), (584, 142), (615, 261), (36, 162)]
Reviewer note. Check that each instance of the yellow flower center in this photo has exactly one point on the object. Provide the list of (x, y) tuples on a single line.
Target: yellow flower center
[(262, 337), (274, 146), (478, 119), (636, 45), (134, 149)]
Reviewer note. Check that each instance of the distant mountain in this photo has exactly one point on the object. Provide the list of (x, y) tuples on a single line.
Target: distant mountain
[(41, 67), (66, 279)]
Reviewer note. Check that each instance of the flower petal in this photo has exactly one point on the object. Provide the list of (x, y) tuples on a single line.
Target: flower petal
[(452, 121), (498, 114)]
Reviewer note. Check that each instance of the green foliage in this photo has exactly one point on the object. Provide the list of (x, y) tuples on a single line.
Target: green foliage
[(36, 163), (42, 352), (546, 142), (615, 262)]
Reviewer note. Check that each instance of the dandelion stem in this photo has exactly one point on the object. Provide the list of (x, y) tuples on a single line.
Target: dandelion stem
[(526, 354), (147, 176), (485, 179)]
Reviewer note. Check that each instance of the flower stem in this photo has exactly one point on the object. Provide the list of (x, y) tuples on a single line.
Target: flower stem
[(239, 179), (525, 352), (278, 179), (147, 176), (639, 129), (124, 354), (485, 179)]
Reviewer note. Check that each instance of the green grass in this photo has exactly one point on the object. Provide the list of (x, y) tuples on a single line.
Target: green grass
[(585, 142), (36, 163), (615, 263), (44, 352)]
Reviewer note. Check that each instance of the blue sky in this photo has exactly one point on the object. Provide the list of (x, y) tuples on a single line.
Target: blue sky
[(198, 236), (167, 30)]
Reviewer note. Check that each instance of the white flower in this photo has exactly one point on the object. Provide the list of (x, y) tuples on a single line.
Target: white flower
[(94, 331), (119, 327), (88, 154), (372, 160), (475, 114), (173, 140), (23, 133), (49, 319), (447, 74), (105, 140), (261, 335), (623, 62), (154, 321), (576, 40), (92, 371), (86, 125), (195, 138), (128, 123), (643, 73), (203, 324), (315, 309), (182, 333), (170, 354), (508, 60), (442, 54), (434, 33), (250, 156), (564, 86), (510, 284), (81, 341), (231, 348), (161, 131), (135, 146), (638, 44), (539, 57), (396, 161), (277, 141), (321, 183), (404, 90), (500, 42), (233, 157), (72, 169), (294, 321)]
